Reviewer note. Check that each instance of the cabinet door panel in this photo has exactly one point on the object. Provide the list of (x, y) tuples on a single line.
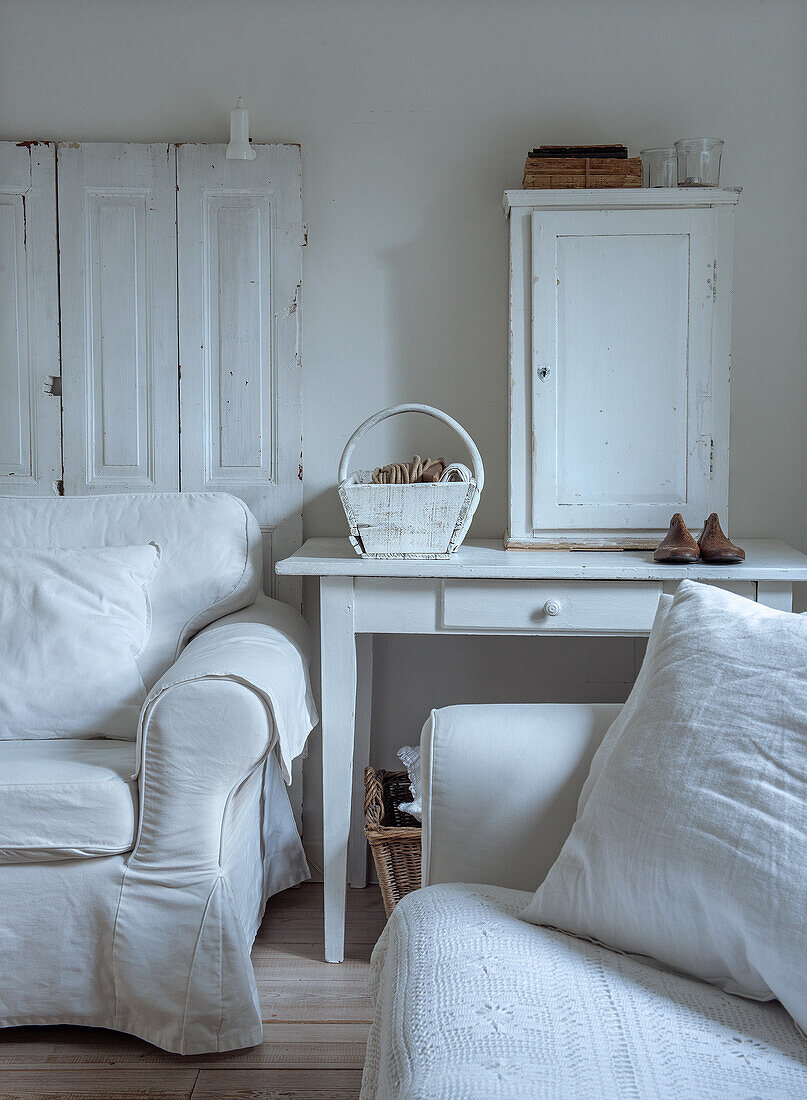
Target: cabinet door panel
[(622, 381), (240, 238), (117, 243), (30, 416)]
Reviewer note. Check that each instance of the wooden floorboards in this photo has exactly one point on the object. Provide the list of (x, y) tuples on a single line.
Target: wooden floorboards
[(315, 1021)]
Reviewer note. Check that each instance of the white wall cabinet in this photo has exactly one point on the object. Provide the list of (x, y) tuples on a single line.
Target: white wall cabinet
[(180, 276), (620, 317)]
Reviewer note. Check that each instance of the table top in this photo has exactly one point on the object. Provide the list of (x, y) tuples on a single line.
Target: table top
[(766, 560)]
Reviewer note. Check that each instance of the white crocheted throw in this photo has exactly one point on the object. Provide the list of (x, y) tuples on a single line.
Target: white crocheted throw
[(472, 1003)]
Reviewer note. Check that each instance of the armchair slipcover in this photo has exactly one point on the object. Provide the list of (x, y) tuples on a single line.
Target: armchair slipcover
[(136, 907), (472, 1001)]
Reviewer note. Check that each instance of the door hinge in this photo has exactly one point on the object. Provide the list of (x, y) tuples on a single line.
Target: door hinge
[(53, 385)]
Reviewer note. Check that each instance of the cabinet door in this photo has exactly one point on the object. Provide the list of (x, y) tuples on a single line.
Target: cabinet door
[(623, 390), (240, 239), (30, 414), (117, 248)]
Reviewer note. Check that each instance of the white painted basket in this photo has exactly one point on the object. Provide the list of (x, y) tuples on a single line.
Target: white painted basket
[(425, 520)]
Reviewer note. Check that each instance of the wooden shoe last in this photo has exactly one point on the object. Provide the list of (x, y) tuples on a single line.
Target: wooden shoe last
[(715, 548), (678, 545)]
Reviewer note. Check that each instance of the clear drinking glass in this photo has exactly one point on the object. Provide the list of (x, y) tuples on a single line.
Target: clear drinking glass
[(659, 168), (699, 162)]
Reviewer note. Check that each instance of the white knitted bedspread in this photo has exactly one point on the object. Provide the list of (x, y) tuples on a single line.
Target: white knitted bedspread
[(472, 1003)]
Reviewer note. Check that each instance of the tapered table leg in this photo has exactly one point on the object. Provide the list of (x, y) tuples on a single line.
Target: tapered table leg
[(357, 854), (338, 665)]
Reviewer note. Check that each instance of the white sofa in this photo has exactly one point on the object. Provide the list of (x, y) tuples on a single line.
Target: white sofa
[(134, 873), (471, 1002)]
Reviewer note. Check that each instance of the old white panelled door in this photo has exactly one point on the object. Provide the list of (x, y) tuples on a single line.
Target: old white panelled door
[(30, 429), (619, 360), (240, 238), (622, 431), (118, 276)]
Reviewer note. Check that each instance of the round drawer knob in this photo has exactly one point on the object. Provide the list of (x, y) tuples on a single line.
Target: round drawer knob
[(552, 607)]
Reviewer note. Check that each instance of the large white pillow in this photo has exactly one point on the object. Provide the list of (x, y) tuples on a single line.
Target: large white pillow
[(691, 845), (72, 625)]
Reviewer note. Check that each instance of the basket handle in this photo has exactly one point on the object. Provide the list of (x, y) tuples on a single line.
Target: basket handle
[(428, 410)]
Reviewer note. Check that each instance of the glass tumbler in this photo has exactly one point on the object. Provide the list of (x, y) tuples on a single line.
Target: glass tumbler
[(699, 162), (659, 168)]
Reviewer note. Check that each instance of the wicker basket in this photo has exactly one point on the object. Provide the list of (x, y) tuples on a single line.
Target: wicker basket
[(408, 521), (393, 836)]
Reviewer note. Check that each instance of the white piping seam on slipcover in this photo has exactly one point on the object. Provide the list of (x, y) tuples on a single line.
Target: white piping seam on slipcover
[(89, 783), (78, 848), (144, 738), (426, 854)]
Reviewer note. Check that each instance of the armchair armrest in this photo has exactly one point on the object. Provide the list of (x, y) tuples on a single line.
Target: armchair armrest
[(265, 649), (500, 788), (239, 688)]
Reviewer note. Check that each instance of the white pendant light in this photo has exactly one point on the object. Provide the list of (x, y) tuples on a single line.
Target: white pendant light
[(239, 147)]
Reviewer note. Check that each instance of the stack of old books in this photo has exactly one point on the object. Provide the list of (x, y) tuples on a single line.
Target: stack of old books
[(582, 166)]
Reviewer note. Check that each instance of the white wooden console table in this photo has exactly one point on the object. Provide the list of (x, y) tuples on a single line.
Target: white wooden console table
[(482, 589)]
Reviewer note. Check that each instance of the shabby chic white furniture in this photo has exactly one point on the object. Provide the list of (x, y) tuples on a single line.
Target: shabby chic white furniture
[(170, 284), (620, 347), (135, 907), (481, 589), (472, 1001), (409, 521)]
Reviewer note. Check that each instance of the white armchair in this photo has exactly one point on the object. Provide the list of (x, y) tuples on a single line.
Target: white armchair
[(472, 1001), (135, 906)]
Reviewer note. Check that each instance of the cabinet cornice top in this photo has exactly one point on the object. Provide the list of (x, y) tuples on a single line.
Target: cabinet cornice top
[(621, 198)]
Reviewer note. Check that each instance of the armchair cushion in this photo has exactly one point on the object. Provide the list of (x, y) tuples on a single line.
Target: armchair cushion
[(692, 846), (66, 799), (210, 547), (72, 626)]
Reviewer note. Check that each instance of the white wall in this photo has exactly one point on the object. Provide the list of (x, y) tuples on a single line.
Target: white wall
[(413, 117)]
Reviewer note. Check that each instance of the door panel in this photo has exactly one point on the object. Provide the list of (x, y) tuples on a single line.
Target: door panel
[(240, 237), (117, 242), (622, 312), (30, 415)]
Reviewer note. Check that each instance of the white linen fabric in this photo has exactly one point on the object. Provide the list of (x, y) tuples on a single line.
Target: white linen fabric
[(409, 756), (627, 711), (692, 845), (72, 626), (156, 941), (62, 960), (210, 546), (472, 1002), (66, 799), (262, 654), (507, 775)]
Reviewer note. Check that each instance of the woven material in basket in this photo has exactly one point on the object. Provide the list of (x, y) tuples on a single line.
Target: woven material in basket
[(393, 836)]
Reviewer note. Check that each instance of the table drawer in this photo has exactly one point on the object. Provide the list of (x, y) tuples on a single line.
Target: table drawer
[(537, 607)]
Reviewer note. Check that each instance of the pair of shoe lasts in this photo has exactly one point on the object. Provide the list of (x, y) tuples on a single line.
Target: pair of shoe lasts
[(712, 546)]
